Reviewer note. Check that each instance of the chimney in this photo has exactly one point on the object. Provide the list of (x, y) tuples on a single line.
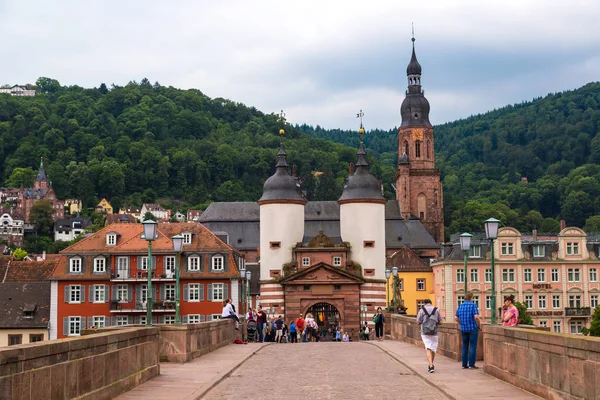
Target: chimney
[(563, 225), (44, 255), (350, 169), (534, 232)]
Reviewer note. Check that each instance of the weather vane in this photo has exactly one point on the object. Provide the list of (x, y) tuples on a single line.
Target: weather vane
[(361, 130), (413, 31)]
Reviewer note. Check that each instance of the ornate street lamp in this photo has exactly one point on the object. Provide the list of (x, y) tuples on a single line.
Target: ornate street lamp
[(387, 288), (243, 285), (465, 245), (149, 235), (491, 232), (248, 276), (177, 247)]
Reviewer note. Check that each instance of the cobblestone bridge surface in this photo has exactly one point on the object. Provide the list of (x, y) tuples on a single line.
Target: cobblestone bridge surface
[(323, 371)]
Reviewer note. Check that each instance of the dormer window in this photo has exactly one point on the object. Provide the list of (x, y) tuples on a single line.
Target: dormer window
[(187, 238), (75, 265), (508, 249), (572, 248), (217, 263), (475, 251), (111, 239), (539, 251)]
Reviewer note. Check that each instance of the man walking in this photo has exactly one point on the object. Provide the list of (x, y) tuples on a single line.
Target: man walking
[(467, 316), (261, 322), (278, 329), (429, 318)]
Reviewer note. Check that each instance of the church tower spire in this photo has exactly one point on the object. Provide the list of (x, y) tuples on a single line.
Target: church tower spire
[(418, 186)]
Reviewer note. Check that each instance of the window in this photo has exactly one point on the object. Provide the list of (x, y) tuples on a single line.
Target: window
[(74, 326), (170, 266), (75, 294), (99, 294), (488, 275), (572, 248), (122, 320), (417, 148), (476, 301), (169, 319), (543, 324), (529, 301), (401, 284), (111, 239), (576, 327), (194, 292), (305, 261), (194, 263), (217, 292), (369, 244), (420, 304), (144, 263), (215, 316), (99, 322), (488, 302), (508, 275), (593, 275), (169, 292), (594, 301), (122, 294), (460, 275), (460, 300), (194, 319), (14, 340), (275, 245), (475, 252), (554, 275), (306, 287), (556, 326), (541, 275), (573, 275), (420, 284), (99, 265), (337, 261), (539, 251), (75, 265), (542, 301), (507, 249), (527, 275), (187, 238), (337, 287), (575, 300), (35, 337), (143, 294), (474, 275), (217, 263), (556, 301), (142, 320)]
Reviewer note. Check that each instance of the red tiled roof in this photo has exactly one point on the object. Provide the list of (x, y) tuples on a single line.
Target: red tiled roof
[(407, 261), (27, 271)]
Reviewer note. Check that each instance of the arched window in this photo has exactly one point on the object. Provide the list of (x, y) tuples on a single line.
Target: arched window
[(428, 149), (406, 147), (418, 149), (422, 206)]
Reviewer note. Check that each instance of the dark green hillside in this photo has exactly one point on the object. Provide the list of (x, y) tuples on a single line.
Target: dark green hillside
[(551, 141), (141, 142)]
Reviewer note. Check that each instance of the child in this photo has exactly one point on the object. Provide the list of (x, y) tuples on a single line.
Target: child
[(338, 335)]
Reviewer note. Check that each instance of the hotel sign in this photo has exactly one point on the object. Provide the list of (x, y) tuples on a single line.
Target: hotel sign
[(546, 313), (542, 286)]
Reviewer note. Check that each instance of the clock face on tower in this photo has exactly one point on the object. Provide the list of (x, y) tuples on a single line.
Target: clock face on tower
[(417, 134)]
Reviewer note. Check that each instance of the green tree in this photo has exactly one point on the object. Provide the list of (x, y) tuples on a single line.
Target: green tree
[(148, 217), (41, 216), (594, 329), (524, 317), (47, 85), (592, 224), (19, 254), (21, 177)]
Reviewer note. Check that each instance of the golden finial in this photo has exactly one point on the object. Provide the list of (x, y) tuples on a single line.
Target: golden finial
[(361, 131), (281, 132)]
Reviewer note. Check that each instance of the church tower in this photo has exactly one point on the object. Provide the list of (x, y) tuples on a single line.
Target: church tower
[(418, 185), (41, 180)]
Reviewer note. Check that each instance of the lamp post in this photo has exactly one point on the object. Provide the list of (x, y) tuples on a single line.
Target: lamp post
[(395, 285), (387, 288), (248, 276), (149, 236), (491, 232), (243, 284), (177, 246), (465, 245)]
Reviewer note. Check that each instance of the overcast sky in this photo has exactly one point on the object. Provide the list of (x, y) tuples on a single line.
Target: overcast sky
[(320, 61)]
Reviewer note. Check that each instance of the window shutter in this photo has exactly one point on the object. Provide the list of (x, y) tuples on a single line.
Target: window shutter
[(201, 295), (138, 293), (186, 261), (153, 262), (67, 293), (225, 291), (184, 319), (186, 292), (106, 290), (90, 321), (81, 324), (139, 263), (202, 261), (83, 260), (210, 292), (161, 319), (83, 293), (225, 262), (91, 294), (106, 321), (66, 326), (209, 317), (136, 320), (162, 292), (113, 321), (115, 293), (210, 267), (202, 319), (129, 293)]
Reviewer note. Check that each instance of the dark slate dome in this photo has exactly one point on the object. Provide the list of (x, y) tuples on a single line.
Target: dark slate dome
[(415, 110), (414, 68), (281, 185), (362, 185)]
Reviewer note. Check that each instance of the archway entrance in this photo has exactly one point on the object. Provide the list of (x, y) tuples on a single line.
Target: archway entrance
[(327, 317)]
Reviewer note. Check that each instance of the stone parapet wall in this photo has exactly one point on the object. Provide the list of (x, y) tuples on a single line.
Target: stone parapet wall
[(405, 329), (551, 365), (99, 366), (183, 343)]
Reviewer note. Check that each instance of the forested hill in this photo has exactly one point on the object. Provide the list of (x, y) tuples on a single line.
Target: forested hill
[(553, 142), (144, 141)]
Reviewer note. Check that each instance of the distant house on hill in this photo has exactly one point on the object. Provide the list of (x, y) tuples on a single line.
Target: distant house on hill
[(119, 219), (104, 207), (18, 90), (157, 210), (11, 228), (74, 206), (194, 215), (67, 229), (133, 210)]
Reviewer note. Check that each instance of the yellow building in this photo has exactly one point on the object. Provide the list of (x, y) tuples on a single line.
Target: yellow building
[(73, 206), (133, 210), (414, 282), (104, 207)]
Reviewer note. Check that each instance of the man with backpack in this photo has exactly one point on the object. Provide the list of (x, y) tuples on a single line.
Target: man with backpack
[(429, 318)]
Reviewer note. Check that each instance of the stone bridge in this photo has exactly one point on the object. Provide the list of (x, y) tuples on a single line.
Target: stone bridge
[(198, 361)]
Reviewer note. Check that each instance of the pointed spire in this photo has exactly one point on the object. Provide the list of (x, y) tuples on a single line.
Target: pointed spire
[(414, 68), (41, 162)]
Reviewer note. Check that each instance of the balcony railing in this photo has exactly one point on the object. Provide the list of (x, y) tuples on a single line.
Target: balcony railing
[(140, 306), (578, 311), (141, 275)]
